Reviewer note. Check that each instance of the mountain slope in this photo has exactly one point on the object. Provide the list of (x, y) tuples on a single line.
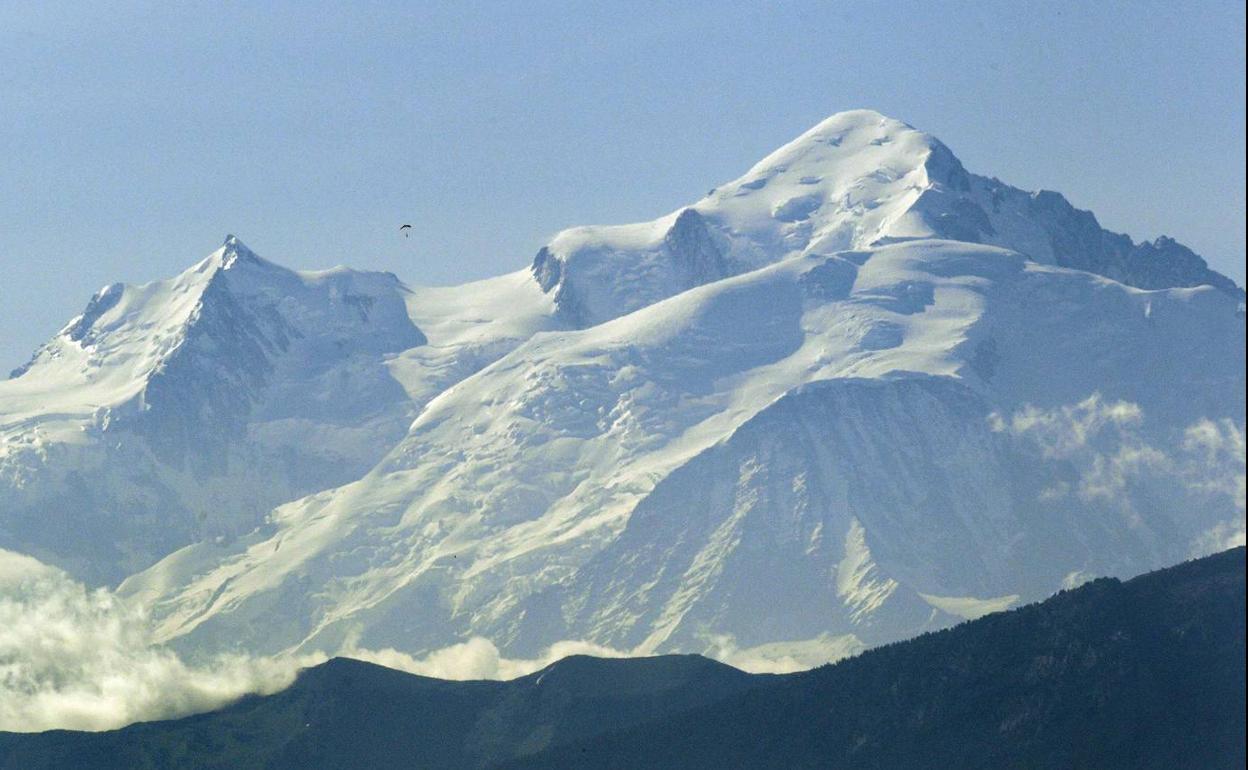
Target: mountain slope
[(1146, 673), (184, 409), (951, 356), (516, 482)]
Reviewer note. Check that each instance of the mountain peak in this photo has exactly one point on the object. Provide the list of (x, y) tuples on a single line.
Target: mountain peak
[(232, 245), (233, 251), (854, 180), (840, 138), (233, 298), (858, 121), (846, 183), (864, 125)]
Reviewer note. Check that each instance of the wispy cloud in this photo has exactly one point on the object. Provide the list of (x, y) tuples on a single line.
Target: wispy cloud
[(1216, 454), (1104, 441), (1066, 430)]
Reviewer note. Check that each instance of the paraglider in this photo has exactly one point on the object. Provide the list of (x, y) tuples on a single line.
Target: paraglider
[(406, 230)]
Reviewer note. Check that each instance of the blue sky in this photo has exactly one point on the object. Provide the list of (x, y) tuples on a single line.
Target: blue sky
[(133, 136)]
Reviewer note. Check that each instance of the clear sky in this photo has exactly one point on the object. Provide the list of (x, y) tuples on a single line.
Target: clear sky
[(134, 137)]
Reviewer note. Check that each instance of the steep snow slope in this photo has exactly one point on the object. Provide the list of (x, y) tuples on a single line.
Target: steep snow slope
[(186, 408), (855, 180), (662, 480)]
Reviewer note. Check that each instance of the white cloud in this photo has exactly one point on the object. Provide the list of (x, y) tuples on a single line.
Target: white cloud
[(1076, 578), (1103, 442), (1108, 475), (1215, 465), (1216, 458), (1062, 432), (82, 659), (1219, 537), (477, 658)]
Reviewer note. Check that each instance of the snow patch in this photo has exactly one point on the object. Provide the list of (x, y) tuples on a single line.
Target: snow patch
[(784, 657), (968, 607), (857, 581)]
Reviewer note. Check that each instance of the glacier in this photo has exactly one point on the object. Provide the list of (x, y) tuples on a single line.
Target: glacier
[(855, 394)]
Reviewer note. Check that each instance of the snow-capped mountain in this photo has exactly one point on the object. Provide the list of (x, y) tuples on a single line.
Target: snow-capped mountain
[(855, 180), (856, 393), (185, 409)]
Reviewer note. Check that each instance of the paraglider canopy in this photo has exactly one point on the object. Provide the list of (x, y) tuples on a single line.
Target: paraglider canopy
[(404, 229)]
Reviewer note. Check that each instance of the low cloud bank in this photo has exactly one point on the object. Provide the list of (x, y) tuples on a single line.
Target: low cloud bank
[(84, 659), (477, 658)]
